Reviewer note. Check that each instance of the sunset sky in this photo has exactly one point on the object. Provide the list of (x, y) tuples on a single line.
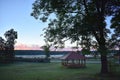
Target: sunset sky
[(16, 14)]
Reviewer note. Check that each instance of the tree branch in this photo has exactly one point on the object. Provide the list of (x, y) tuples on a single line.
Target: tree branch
[(96, 36), (85, 4), (50, 11)]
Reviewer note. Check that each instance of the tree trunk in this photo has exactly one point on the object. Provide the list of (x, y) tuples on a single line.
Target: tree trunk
[(119, 54), (104, 64), (119, 59)]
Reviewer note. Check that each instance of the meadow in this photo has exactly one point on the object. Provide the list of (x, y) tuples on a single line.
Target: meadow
[(51, 71)]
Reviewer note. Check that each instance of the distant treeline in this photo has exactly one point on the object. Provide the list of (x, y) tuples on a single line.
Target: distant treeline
[(39, 52)]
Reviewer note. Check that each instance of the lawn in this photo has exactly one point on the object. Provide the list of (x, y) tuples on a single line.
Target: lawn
[(50, 71)]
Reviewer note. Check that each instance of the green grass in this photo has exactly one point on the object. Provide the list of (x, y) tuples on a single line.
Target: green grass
[(49, 71)]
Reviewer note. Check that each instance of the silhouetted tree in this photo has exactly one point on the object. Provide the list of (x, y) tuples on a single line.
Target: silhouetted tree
[(7, 47), (46, 48), (78, 20), (2, 48), (10, 36), (2, 43)]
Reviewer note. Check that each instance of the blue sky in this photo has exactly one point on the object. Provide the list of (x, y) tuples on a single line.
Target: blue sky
[(16, 14)]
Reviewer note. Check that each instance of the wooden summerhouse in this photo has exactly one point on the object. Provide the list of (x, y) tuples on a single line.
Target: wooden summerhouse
[(73, 60)]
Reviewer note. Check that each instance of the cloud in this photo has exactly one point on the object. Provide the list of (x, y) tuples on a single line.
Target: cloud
[(27, 47), (37, 47)]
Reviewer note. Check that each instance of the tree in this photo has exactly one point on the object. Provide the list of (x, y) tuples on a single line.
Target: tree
[(116, 26), (78, 20), (7, 46), (10, 36), (47, 50), (2, 42), (115, 41)]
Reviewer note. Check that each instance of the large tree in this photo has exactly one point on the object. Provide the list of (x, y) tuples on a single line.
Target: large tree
[(10, 36), (78, 20), (7, 46)]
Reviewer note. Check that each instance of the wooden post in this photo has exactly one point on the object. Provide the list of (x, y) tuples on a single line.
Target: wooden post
[(79, 61), (73, 61), (84, 62), (67, 62)]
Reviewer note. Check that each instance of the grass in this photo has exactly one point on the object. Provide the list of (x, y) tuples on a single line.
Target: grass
[(50, 71)]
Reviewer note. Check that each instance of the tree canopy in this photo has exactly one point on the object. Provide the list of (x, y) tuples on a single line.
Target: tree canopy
[(77, 20), (80, 20), (7, 46)]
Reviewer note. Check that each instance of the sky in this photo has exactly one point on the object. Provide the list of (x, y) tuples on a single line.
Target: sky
[(16, 14)]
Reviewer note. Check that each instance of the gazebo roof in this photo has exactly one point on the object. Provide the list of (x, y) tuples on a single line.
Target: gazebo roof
[(72, 55)]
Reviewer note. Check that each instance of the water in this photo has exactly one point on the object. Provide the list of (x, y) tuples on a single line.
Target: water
[(38, 56)]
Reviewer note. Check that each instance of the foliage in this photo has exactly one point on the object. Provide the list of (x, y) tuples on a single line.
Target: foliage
[(47, 49), (85, 51), (10, 36), (79, 20), (115, 40), (2, 43), (7, 46)]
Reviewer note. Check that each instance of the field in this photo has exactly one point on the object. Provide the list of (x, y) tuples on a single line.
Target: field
[(51, 71)]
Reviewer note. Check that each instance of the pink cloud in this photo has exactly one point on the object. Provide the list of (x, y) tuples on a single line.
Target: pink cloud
[(37, 47), (27, 47)]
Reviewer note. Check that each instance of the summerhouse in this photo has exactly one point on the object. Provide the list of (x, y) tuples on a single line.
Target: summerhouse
[(73, 60)]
